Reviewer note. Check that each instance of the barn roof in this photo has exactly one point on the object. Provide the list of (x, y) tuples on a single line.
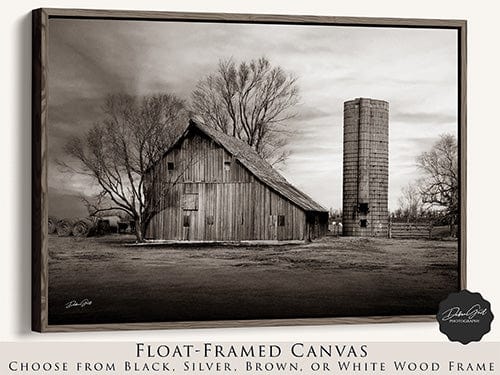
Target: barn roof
[(260, 168)]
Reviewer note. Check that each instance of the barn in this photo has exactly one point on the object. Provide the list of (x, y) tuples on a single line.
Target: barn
[(213, 187)]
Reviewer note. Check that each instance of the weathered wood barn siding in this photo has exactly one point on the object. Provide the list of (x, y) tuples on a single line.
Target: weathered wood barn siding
[(208, 195)]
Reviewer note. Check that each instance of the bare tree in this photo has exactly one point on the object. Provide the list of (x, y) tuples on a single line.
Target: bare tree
[(118, 152), (250, 101), (439, 187), (411, 204), (334, 215)]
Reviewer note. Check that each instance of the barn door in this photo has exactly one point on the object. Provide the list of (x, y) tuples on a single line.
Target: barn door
[(280, 228), (186, 225), (189, 204)]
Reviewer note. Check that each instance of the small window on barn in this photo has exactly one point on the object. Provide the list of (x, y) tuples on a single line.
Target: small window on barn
[(170, 166), (189, 202), (281, 220), (363, 208), (186, 221), (363, 223), (210, 220), (227, 165)]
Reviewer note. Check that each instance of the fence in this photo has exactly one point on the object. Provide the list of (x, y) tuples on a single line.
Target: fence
[(410, 230), (335, 229)]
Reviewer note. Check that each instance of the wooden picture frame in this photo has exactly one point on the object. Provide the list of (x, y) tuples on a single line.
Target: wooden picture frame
[(40, 237)]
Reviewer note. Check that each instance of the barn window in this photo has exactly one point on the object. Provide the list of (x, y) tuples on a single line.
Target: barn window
[(189, 202), (281, 220), (363, 223), (363, 208), (227, 165), (170, 166), (210, 220), (186, 221)]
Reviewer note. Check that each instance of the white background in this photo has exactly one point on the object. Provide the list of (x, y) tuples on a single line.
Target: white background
[(483, 208)]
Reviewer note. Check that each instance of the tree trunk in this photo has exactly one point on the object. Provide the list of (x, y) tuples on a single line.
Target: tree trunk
[(144, 228), (141, 227), (139, 234)]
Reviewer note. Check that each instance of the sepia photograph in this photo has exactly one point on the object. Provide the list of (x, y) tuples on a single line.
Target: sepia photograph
[(216, 170)]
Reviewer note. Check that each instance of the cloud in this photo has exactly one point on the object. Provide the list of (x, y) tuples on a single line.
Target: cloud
[(424, 118), (308, 113)]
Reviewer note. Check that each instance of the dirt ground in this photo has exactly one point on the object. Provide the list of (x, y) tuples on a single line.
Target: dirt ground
[(335, 276)]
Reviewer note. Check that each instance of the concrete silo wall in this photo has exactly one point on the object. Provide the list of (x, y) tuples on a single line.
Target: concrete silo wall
[(366, 167)]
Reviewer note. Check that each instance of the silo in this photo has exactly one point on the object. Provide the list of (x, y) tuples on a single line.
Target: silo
[(366, 167)]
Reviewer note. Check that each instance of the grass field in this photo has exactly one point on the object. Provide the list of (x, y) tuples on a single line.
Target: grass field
[(335, 276)]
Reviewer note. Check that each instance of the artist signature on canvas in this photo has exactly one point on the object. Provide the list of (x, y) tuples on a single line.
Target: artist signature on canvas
[(82, 303), (456, 312)]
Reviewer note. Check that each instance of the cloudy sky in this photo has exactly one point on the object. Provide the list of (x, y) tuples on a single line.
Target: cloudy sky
[(415, 70)]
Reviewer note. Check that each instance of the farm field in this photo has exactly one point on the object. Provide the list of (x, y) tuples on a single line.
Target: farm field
[(334, 276)]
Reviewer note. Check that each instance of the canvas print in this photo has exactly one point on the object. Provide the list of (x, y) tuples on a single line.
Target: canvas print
[(208, 171)]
